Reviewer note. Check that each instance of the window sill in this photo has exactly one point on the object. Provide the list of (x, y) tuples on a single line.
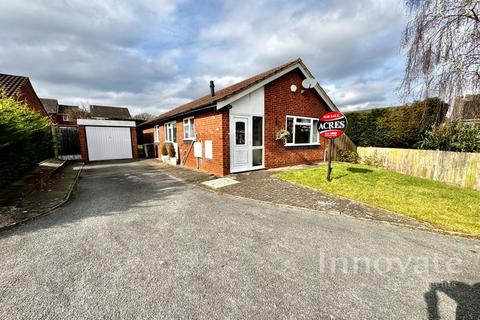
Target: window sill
[(188, 139), (301, 144)]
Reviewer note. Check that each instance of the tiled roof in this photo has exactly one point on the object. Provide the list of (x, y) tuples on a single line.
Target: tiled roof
[(467, 108), (64, 109), (50, 105), (109, 112), (11, 84), (223, 93)]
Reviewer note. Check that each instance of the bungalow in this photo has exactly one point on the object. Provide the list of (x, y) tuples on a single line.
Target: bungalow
[(235, 129)]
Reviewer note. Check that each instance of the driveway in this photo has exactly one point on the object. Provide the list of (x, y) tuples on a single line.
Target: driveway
[(135, 244)]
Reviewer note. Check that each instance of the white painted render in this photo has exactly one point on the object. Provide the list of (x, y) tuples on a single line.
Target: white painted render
[(250, 104)]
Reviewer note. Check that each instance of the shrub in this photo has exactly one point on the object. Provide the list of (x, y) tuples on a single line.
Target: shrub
[(171, 151), (164, 150), (348, 156), (399, 127), (453, 136), (25, 139)]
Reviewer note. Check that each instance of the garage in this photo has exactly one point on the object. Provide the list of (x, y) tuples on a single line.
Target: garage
[(107, 139)]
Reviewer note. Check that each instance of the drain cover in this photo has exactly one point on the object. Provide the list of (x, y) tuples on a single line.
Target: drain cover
[(220, 183)]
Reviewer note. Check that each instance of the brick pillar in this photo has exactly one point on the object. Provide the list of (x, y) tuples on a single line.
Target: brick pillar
[(83, 142), (133, 134)]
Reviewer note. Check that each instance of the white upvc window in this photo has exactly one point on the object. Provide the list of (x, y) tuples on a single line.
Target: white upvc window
[(303, 131), (65, 117), (171, 132), (156, 134), (188, 129)]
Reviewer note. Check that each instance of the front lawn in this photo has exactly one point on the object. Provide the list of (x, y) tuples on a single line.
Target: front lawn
[(448, 207)]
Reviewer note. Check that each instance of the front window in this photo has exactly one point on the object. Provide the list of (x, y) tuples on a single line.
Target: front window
[(171, 132), (188, 129), (303, 131)]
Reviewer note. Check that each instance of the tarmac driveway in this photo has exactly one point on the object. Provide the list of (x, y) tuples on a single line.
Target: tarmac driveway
[(135, 244)]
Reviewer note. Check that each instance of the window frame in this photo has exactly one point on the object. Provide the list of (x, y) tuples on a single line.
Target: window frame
[(188, 122), (172, 125), (65, 117), (313, 131), (156, 134)]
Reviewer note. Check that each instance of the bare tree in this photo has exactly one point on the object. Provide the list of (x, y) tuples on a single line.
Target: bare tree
[(79, 113), (143, 116), (442, 41)]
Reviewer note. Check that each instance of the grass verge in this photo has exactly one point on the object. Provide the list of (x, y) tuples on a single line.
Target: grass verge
[(447, 207)]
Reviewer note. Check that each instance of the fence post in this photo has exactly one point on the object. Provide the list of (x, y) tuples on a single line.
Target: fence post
[(55, 141)]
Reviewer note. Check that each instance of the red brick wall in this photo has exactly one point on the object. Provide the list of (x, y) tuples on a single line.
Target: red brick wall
[(133, 135), (28, 95), (280, 102), (83, 142), (208, 126), (147, 135)]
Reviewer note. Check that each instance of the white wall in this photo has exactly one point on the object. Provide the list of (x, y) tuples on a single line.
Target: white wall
[(251, 104)]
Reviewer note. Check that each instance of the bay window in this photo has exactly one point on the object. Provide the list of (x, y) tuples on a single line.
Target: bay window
[(171, 132), (188, 129), (303, 131)]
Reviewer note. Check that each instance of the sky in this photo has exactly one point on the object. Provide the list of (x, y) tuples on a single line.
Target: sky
[(153, 55)]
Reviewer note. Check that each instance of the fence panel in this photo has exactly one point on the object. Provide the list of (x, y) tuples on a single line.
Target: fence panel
[(68, 143), (459, 168)]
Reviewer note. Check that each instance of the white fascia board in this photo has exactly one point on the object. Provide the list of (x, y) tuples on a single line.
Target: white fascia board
[(223, 103), (105, 123)]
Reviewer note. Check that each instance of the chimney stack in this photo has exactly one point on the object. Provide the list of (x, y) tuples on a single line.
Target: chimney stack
[(212, 88)]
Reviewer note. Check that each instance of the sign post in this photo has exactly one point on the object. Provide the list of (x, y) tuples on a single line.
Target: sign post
[(331, 125)]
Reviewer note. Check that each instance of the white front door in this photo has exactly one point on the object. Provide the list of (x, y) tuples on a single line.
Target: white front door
[(240, 143), (246, 143)]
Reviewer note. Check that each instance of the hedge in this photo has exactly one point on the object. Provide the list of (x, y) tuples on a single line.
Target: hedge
[(397, 127), (25, 139)]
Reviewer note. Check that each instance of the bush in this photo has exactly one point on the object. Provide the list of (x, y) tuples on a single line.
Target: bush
[(453, 136), (25, 139), (348, 156), (171, 151), (399, 127), (164, 150)]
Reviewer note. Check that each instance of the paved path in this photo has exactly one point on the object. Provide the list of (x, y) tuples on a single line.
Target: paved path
[(135, 244)]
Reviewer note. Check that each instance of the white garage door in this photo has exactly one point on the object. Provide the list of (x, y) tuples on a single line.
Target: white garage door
[(108, 143)]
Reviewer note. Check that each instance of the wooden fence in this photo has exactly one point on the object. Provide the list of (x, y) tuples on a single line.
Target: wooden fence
[(341, 143), (68, 142), (458, 168)]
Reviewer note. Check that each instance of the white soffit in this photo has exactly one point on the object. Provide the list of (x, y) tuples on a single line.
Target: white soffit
[(221, 104)]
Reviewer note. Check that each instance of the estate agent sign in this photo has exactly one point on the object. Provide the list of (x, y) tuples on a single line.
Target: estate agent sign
[(331, 125)]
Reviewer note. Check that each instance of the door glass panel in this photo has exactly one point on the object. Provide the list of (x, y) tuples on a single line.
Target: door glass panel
[(240, 132), (257, 157), (174, 129), (257, 131)]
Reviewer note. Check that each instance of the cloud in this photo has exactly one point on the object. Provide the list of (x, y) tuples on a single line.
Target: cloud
[(154, 55)]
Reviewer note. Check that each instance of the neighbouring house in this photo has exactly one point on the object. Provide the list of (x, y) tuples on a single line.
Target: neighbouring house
[(20, 88), (235, 129), (467, 109), (109, 113), (60, 113)]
